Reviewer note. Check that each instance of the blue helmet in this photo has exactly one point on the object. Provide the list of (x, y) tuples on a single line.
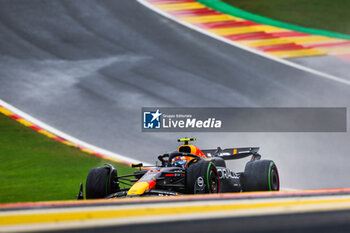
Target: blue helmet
[(179, 161)]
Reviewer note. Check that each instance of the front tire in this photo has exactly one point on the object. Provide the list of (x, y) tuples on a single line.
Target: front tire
[(101, 182), (260, 175)]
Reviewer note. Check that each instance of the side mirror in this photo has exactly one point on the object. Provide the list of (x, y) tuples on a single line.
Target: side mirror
[(136, 165)]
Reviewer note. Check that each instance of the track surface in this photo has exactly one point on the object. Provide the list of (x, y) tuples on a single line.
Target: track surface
[(336, 221), (87, 68), (296, 211)]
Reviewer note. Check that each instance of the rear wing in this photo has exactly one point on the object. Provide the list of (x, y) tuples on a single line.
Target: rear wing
[(234, 153)]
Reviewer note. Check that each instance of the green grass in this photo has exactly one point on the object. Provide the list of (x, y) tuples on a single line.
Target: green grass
[(320, 14), (34, 167)]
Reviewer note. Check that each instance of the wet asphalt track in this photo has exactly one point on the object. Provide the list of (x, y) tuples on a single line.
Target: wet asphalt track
[(87, 67)]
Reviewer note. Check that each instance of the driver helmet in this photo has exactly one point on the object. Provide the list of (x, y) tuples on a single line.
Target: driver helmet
[(179, 161)]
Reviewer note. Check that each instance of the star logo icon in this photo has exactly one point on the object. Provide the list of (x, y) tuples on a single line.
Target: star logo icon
[(152, 119), (156, 115)]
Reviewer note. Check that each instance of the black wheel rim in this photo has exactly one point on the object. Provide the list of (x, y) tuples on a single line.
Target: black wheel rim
[(213, 181), (274, 179)]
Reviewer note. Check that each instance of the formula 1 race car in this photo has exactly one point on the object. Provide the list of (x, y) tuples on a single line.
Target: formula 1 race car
[(186, 171)]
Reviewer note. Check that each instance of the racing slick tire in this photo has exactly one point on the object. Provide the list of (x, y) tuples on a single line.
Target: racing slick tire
[(101, 182), (260, 175), (202, 177)]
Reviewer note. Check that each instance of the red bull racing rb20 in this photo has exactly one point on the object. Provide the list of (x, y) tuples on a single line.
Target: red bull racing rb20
[(188, 170)]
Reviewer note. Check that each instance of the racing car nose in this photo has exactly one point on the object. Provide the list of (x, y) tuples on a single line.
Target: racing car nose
[(138, 188)]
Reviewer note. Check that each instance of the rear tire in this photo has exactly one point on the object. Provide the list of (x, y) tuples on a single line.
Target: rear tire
[(260, 175), (202, 177)]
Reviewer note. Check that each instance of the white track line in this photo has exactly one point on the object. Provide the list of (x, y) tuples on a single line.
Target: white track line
[(286, 62), (68, 137)]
